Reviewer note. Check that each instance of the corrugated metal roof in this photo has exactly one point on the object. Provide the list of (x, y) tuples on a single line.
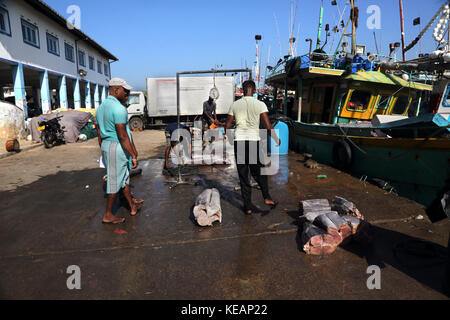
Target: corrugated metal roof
[(390, 79), (55, 16)]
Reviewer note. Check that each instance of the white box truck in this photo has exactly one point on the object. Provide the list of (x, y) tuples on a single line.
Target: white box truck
[(160, 105)]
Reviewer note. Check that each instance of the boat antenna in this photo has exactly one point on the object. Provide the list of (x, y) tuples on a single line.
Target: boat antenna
[(298, 36), (265, 71), (376, 44), (341, 15), (291, 38), (278, 32)]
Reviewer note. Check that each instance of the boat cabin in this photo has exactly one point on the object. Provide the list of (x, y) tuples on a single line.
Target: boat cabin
[(333, 96)]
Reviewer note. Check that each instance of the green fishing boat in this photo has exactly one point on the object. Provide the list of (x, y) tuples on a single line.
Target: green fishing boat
[(373, 122)]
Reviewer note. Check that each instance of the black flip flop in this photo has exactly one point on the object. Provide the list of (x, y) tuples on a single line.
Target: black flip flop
[(273, 206), (112, 222)]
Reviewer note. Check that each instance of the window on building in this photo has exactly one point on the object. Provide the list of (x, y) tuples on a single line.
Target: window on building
[(359, 100), (99, 67), (106, 69), (82, 58), (4, 22), (30, 34), (400, 105), (69, 52), (52, 44), (91, 63)]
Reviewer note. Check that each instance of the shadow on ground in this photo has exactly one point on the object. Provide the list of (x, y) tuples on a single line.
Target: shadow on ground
[(424, 261)]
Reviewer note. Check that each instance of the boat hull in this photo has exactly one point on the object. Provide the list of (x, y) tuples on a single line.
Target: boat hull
[(418, 169)]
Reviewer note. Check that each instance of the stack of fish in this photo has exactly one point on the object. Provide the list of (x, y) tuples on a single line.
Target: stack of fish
[(325, 227)]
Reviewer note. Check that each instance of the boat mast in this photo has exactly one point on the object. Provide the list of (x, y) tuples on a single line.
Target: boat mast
[(400, 3), (319, 32), (291, 36), (353, 18)]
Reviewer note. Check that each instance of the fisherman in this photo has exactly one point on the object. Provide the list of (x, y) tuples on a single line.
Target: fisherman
[(248, 112), (209, 114), (118, 149)]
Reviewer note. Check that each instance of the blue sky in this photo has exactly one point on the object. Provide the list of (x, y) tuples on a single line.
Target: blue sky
[(157, 38)]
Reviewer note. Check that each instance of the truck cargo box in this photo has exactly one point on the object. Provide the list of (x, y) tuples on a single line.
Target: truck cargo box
[(162, 95)]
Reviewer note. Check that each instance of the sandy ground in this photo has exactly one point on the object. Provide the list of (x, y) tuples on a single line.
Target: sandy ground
[(30, 165)]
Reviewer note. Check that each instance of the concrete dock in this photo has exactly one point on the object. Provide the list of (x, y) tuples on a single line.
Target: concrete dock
[(51, 219)]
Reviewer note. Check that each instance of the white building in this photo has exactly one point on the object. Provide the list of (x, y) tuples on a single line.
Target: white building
[(45, 65)]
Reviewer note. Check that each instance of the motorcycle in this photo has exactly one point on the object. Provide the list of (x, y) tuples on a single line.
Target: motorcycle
[(52, 133)]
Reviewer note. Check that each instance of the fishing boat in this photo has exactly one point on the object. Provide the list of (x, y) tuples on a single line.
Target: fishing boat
[(355, 113)]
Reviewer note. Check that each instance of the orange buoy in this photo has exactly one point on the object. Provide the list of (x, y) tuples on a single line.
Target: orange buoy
[(12, 145)]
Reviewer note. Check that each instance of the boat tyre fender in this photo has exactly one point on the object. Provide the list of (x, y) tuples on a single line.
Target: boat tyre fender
[(342, 154)]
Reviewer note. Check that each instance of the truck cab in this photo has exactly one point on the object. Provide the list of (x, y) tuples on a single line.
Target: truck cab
[(137, 110)]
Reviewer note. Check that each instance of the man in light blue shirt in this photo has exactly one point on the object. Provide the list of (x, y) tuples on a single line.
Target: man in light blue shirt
[(118, 149)]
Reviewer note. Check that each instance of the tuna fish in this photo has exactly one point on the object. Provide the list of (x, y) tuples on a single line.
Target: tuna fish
[(207, 208)]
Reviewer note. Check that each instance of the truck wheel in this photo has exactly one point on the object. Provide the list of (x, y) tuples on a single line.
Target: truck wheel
[(136, 124)]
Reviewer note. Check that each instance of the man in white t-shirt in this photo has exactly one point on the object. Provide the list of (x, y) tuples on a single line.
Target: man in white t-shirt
[(248, 112)]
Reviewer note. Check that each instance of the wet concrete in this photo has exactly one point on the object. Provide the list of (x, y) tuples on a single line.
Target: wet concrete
[(55, 222)]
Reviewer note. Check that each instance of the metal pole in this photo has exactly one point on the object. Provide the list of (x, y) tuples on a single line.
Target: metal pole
[(178, 99), (179, 180), (402, 28), (319, 32), (353, 16), (285, 96)]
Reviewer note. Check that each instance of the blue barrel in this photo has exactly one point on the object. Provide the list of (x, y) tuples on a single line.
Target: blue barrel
[(283, 134)]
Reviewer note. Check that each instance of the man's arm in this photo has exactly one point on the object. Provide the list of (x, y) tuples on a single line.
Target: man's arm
[(228, 124), (210, 118), (98, 135), (230, 120), (166, 157), (122, 134), (133, 145), (265, 120)]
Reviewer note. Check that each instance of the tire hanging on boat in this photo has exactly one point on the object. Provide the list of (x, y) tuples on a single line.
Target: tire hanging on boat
[(342, 154)]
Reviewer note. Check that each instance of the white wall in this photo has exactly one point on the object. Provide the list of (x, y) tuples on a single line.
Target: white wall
[(15, 49), (12, 125)]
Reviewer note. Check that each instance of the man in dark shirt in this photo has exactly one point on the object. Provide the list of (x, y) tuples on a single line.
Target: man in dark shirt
[(209, 112)]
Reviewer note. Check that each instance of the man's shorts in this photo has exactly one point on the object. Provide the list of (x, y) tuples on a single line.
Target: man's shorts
[(117, 166)]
